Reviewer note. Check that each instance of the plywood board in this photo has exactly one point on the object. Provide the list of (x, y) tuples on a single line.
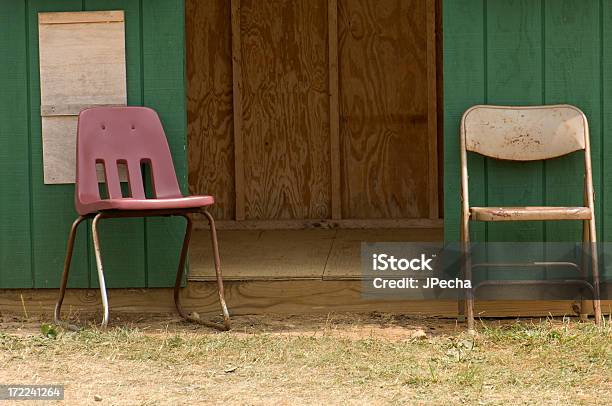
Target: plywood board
[(82, 63), (384, 113), (262, 255), (292, 254), (265, 297), (345, 256), (334, 111), (285, 109), (209, 103), (333, 106), (237, 85)]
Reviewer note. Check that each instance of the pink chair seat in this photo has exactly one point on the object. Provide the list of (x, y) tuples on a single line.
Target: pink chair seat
[(190, 202)]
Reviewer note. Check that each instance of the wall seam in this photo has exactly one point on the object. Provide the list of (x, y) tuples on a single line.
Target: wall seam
[(486, 100), (88, 233), (602, 119), (543, 56), (29, 129), (142, 103)]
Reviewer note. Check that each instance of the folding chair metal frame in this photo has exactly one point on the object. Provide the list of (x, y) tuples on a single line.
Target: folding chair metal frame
[(525, 134)]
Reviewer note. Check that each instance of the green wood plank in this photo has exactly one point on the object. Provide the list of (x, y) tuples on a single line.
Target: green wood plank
[(15, 243), (604, 198), (52, 205), (123, 240), (464, 86), (514, 77), (514, 66), (164, 90), (573, 75)]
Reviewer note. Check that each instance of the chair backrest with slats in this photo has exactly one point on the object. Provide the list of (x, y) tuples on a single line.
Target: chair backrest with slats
[(524, 133), (129, 136)]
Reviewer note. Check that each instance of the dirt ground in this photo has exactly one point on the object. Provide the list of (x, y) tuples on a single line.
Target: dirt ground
[(313, 359)]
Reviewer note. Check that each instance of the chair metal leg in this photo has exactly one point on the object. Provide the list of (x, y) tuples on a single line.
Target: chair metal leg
[(595, 271), (179, 276), (461, 295), (466, 306), (67, 261), (102, 283), (583, 315), (469, 299)]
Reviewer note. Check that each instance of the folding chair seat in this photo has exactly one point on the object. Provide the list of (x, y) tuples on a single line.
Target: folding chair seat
[(131, 136), (531, 133), (529, 213)]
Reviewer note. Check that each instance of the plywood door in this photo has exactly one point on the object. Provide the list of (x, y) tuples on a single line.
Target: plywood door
[(384, 109), (313, 109)]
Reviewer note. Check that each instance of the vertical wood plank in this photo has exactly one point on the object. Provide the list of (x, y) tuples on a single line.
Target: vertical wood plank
[(464, 86), (52, 205), (334, 113), (514, 33), (514, 66), (163, 37), (384, 108), (210, 143), (15, 237), (604, 197), (285, 102), (432, 110), (573, 75), (237, 102), (123, 240)]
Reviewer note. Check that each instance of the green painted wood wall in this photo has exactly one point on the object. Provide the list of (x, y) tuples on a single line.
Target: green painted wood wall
[(528, 52), (35, 218)]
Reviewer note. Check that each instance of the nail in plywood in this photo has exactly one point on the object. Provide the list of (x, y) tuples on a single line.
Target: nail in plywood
[(82, 63)]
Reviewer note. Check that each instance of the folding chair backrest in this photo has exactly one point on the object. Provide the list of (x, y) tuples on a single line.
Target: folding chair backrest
[(129, 136), (524, 133)]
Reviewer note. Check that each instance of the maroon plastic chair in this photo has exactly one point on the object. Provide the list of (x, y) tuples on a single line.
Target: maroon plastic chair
[(131, 136)]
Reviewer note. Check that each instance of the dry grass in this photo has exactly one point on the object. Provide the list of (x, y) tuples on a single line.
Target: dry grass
[(338, 359)]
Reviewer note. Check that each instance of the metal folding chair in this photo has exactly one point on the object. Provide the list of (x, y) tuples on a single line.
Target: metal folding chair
[(131, 136), (527, 134)]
